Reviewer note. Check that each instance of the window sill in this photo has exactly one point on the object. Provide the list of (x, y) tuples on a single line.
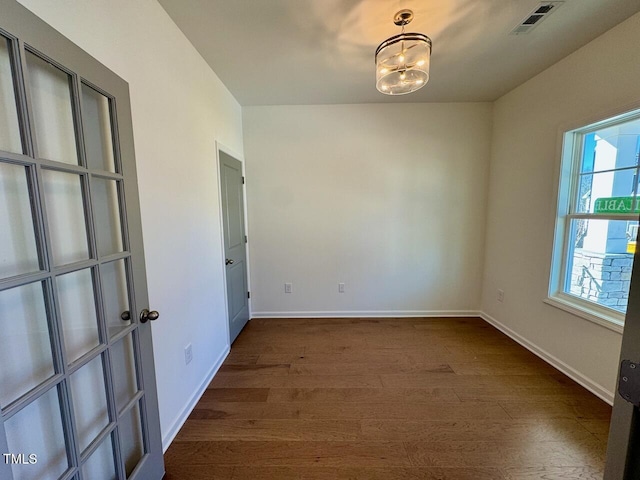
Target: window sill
[(595, 315)]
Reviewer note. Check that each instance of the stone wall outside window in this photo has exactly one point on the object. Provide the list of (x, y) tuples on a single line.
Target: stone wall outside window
[(603, 278)]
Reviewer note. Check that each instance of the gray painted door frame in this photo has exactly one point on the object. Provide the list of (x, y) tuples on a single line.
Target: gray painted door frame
[(623, 451), (221, 148)]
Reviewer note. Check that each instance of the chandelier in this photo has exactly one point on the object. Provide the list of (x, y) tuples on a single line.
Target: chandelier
[(402, 61)]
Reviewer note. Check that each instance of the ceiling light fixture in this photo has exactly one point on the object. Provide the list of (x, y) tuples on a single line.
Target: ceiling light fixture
[(402, 61)]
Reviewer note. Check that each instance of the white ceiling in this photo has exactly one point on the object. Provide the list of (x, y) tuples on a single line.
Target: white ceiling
[(287, 52)]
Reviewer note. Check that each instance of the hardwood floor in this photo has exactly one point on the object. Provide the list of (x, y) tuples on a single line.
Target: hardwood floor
[(387, 399)]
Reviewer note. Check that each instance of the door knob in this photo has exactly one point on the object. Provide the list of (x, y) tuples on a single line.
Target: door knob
[(228, 261), (125, 316), (146, 315)]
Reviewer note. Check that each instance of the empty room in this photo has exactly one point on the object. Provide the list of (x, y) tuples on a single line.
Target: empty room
[(319, 239)]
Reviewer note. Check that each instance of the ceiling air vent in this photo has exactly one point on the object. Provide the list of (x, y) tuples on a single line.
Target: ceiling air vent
[(535, 17)]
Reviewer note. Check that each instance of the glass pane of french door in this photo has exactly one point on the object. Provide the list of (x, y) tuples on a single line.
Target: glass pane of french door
[(38, 429), (51, 91), (10, 137), (19, 253), (77, 387), (26, 355)]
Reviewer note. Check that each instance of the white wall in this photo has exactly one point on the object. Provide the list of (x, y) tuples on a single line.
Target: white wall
[(389, 199), (180, 108), (599, 77)]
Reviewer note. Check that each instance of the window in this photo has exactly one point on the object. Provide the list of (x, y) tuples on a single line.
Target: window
[(597, 222)]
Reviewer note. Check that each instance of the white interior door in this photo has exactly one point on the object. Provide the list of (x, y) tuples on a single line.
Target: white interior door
[(77, 387)]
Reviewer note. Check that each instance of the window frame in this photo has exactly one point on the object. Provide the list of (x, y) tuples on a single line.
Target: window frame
[(571, 151)]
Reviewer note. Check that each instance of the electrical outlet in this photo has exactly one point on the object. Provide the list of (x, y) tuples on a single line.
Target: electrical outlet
[(288, 287), (500, 295), (188, 354), (341, 288)]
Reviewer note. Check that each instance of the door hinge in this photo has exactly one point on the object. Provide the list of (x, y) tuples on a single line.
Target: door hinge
[(245, 239), (243, 180), (248, 294), (629, 384)]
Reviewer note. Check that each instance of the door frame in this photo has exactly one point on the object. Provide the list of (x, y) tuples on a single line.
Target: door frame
[(221, 147)]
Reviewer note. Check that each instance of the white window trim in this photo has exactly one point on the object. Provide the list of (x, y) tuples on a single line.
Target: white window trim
[(593, 312), (568, 160)]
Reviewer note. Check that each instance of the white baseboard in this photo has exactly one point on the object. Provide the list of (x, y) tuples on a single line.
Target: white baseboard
[(177, 424), (594, 387), (368, 314)]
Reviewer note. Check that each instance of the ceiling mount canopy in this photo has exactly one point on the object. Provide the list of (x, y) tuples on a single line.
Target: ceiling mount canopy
[(402, 61)]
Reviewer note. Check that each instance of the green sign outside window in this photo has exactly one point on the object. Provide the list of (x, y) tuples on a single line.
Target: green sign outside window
[(616, 205)]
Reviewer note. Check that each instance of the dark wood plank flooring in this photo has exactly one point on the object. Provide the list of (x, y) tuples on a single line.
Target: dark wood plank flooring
[(435, 399)]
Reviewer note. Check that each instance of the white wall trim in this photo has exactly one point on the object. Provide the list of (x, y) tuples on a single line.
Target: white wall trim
[(195, 398), (368, 314), (594, 387)]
